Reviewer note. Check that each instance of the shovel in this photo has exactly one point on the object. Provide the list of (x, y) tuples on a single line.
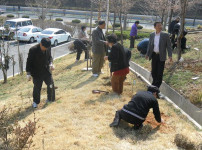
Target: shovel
[(99, 91)]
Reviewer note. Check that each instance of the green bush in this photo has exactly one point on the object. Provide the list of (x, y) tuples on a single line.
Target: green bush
[(25, 16), (141, 35), (126, 35), (58, 19), (76, 21), (116, 25), (10, 16), (199, 26), (139, 27)]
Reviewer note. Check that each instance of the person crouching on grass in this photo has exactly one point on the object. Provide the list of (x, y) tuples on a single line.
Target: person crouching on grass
[(135, 112), (119, 64)]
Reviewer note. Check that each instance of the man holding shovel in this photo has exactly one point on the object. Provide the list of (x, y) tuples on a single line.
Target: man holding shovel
[(39, 66)]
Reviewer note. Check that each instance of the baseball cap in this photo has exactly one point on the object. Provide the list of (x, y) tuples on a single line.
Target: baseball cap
[(153, 89)]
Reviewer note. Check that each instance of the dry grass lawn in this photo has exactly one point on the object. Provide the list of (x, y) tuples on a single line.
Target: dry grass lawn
[(79, 120)]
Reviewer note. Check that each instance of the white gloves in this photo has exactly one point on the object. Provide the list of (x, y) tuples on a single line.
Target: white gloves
[(29, 77), (52, 67)]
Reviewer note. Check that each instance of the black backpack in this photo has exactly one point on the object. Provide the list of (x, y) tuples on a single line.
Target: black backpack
[(128, 55)]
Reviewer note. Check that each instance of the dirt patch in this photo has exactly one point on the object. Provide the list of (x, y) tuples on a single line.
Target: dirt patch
[(162, 128), (105, 78), (107, 84), (127, 83)]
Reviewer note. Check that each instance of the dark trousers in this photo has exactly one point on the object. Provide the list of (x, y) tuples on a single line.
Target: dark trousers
[(79, 51), (38, 81), (157, 70), (183, 43), (132, 42), (130, 119)]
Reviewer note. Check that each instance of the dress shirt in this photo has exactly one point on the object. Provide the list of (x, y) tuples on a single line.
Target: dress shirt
[(156, 42)]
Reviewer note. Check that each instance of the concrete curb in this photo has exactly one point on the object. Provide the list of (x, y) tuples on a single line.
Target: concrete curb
[(193, 113)]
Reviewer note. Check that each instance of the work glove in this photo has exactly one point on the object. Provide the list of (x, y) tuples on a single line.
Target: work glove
[(29, 77), (52, 67)]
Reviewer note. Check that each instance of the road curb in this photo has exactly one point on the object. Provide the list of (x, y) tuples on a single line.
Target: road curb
[(193, 113)]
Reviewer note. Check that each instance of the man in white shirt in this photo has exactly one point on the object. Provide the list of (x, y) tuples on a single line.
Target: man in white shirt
[(159, 46)]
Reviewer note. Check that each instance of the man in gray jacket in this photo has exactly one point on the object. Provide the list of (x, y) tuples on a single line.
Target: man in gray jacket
[(159, 45), (99, 48)]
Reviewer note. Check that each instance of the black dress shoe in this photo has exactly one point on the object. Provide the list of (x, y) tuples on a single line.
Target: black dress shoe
[(137, 127), (116, 121)]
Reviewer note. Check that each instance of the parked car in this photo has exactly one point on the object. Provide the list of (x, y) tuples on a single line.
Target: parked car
[(13, 25), (28, 34), (2, 10), (55, 35)]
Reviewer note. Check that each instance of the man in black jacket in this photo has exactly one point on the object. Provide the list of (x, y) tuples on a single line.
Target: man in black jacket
[(135, 112), (172, 24), (39, 66)]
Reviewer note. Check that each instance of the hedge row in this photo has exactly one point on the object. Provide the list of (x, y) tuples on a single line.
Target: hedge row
[(58, 19), (25, 16), (126, 35), (10, 16), (76, 21)]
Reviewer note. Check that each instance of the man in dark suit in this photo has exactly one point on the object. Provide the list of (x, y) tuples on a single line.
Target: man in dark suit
[(99, 45), (39, 66), (159, 45)]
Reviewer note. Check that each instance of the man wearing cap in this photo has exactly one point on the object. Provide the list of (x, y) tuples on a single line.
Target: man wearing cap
[(135, 112), (39, 66)]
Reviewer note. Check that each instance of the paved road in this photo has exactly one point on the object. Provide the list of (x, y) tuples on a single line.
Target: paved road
[(58, 51)]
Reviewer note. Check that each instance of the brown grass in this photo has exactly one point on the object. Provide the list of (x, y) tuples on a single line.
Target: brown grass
[(80, 120)]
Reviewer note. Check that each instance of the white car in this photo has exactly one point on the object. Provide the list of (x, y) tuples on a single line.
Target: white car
[(28, 34), (55, 35)]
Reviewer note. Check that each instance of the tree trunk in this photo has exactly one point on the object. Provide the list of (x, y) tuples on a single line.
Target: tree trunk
[(171, 11), (114, 21), (120, 19), (107, 18), (183, 4), (165, 22), (171, 16), (195, 16), (162, 16), (4, 74), (20, 60), (99, 12), (42, 16), (125, 22), (91, 19)]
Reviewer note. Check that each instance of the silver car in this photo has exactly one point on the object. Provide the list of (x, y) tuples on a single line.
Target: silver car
[(28, 34)]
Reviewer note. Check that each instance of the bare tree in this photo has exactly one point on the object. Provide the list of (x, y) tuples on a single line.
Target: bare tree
[(183, 5), (41, 8), (113, 7), (121, 7), (195, 6), (101, 6), (4, 59), (159, 8)]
